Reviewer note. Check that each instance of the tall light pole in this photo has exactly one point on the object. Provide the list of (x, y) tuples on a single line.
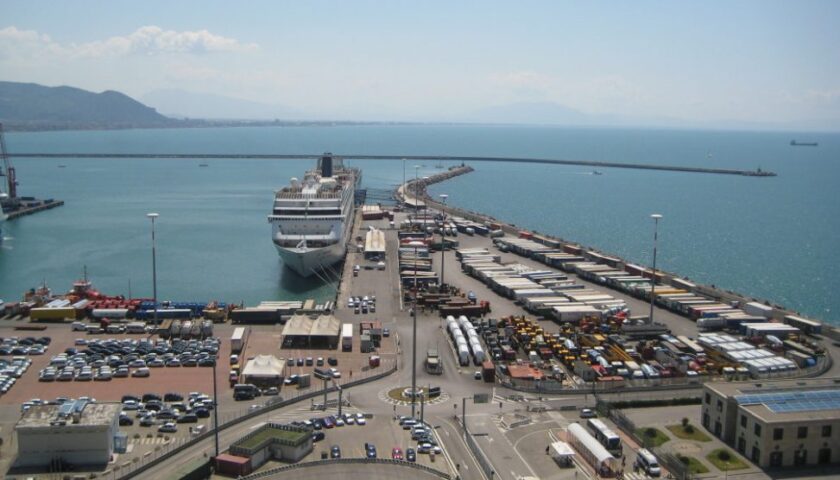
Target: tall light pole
[(443, 198), (414, 187), (153, 216), (414, 244), (405, 187), (655, 218)]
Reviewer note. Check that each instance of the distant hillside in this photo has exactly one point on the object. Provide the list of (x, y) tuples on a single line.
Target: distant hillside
[(29, 106), (181, 103)]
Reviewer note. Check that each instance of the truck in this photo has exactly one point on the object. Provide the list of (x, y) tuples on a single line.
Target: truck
[(433, 364), (238, 339), (347, 337), (488, 371)]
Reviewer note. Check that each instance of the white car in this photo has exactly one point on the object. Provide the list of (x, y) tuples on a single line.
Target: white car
[(360, 419)]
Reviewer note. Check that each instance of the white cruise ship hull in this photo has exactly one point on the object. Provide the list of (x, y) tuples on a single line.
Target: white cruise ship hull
[(308, 261)]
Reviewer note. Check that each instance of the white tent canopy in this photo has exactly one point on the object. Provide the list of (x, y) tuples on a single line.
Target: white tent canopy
[(263, 367)]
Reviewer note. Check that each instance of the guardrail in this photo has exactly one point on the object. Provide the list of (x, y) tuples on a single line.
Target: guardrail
[(137, 469), (319, 463)]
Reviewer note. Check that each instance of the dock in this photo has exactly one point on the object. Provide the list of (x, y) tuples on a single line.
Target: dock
[(546, 161), (29, 206)]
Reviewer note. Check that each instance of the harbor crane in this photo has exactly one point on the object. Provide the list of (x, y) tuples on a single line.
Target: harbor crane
[(8, 198)]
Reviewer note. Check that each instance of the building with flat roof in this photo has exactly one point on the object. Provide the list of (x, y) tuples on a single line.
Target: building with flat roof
[(776, 423), (74, 433)]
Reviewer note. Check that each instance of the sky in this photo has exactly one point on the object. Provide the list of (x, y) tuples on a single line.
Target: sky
[(771, 63)]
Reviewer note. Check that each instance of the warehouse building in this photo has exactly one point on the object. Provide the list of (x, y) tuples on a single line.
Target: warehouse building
[(776, 424), (60, 436), (312, 331)]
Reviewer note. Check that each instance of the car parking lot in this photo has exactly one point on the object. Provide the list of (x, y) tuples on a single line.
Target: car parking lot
[(376, 437), (109, 358)]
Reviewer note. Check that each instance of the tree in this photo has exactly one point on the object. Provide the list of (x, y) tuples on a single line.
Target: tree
[(684, 422)]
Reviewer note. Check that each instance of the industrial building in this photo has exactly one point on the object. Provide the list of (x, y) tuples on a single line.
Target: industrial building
[(74, 433), (777, 424), (312, 331), (271, 441), (374, 244), (263, 371)]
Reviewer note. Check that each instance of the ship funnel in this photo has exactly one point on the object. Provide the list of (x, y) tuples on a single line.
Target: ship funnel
[(326, 166), (295, 182)]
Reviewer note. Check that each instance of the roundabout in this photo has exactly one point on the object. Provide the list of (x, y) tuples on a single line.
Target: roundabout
[(402, 396)]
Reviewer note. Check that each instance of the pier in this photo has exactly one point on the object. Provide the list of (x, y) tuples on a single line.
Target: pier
[(28, 207), (546, 161)]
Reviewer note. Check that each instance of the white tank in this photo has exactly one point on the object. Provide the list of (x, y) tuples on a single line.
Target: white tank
[(463, 355), (478, 354)]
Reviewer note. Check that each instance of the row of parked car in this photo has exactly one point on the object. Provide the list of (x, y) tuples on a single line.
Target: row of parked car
[(24, 346), (421, 433), (11, 370), (366, 304), (119, 358)]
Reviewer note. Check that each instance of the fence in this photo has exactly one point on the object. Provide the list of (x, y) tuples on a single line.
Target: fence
[(139, 465), (369, 461), (482, 460)]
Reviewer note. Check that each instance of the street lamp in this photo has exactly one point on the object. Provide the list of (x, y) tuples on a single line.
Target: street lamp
[(655, 218), (415, 188), (405, 187), (153, 216), (443, 198), (414, 244)]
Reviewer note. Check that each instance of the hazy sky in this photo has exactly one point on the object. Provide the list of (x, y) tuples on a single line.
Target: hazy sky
[(750, 61)]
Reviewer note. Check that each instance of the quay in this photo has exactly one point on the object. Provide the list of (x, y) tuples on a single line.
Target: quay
[(423, 200), (547, 161), (28, 206)]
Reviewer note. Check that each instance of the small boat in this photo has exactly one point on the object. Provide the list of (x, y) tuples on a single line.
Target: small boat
[(596, 172), (794, 143), (202, 165), (62, 166)]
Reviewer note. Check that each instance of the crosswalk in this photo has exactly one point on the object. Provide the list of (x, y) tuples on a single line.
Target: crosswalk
[(155, 440), (635, 476)]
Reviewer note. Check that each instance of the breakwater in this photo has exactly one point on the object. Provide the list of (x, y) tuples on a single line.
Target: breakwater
[(548, 161)]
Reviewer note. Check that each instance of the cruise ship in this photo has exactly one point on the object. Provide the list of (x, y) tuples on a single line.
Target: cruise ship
[(311, 219)]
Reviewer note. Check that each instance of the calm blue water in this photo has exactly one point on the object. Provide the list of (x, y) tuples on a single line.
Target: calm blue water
[(774, 238)]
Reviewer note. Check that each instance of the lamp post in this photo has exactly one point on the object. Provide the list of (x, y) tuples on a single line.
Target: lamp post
[(414, 187), (656, 217), (153, 216), (405, 187), (443, 198), (414, 244)]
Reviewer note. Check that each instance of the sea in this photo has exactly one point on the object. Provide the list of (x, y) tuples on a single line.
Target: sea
[(773, 238)]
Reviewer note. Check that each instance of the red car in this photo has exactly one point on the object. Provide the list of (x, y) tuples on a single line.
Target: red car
[(396, 453)]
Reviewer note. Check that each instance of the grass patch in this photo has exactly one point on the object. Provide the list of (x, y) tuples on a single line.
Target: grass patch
[(694, 466), (689, 432), (269, 433), (651, 437), (725, 460), (398, 394)]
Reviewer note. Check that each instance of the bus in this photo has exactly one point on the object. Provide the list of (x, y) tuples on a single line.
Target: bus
[(606, 437)]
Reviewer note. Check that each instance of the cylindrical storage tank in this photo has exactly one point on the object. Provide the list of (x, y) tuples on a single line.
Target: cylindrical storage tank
[(109, 312), (479, 355), (463, 355)]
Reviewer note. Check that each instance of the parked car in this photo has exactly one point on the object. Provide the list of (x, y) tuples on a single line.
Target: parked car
[(168, 427), (335, 451)]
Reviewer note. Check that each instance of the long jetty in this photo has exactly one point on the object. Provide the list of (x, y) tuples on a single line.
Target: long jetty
[(546, 161)]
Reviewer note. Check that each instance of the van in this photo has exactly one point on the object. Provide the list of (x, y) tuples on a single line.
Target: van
[(79, 326), (647, 462)]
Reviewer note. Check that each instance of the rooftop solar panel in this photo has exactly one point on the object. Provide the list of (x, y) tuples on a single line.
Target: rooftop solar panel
[(802, 401)]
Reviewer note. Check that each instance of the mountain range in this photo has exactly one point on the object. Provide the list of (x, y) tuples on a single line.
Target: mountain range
[(26, 106)]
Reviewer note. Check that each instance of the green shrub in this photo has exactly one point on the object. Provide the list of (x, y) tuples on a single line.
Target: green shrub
[(724, 455)]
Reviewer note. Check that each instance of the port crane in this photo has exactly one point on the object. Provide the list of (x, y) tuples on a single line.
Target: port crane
[(8, 198)]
